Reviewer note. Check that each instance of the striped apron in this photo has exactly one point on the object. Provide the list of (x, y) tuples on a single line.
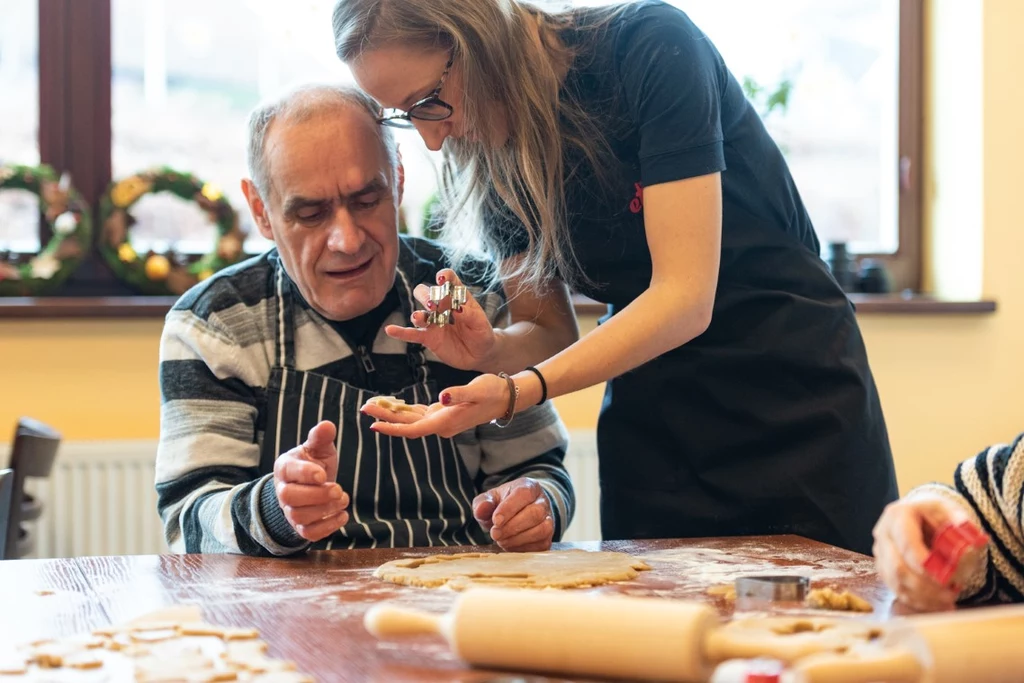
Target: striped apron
[(404, 492)]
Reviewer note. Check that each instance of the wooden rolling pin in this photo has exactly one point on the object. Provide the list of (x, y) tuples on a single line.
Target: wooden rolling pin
[(672, 640), (976, 644), (565, 633), (980, 644)]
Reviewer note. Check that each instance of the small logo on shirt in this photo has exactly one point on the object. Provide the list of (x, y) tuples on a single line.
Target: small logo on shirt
[(636, 204)]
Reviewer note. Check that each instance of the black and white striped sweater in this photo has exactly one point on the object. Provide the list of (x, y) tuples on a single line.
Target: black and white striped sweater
[(990, 487), (216, 354)]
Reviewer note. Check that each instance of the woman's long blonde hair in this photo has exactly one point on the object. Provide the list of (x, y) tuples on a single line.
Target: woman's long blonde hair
[(494, 46)]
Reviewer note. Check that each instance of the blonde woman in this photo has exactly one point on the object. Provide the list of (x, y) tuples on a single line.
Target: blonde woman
[(611, 150)]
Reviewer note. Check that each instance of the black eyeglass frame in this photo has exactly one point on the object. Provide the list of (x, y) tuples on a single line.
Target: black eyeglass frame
[(403, 119)]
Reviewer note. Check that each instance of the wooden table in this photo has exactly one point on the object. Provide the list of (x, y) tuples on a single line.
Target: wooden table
[(310, 609)]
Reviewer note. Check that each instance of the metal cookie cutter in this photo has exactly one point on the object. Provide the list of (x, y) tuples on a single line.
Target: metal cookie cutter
[(761, 592), (459, 297), (456, 295)]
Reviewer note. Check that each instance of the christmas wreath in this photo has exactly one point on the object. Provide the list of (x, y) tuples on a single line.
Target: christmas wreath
[(67, 216), (166, 272)]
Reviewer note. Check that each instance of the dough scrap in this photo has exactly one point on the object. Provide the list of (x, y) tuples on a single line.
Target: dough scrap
[(250, 655), (154, 635), (283, 677), (790, 639), (84, 660), (155, 649), (224, 633), (51, 655), (395, 405), (239, 633), (184, 666), (828, 598), (12, 664), (92, 642), (727, 591), (549, 569)]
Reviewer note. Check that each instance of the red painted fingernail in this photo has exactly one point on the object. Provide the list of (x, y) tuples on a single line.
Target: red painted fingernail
[(441, 279), (430, 304), (446, 399)]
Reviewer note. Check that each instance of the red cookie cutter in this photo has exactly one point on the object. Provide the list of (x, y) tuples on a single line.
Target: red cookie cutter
[(952, 543), (762, 678), (764, 671)]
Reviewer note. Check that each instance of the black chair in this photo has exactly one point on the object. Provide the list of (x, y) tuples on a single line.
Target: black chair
[(6, 491), (32, 455)]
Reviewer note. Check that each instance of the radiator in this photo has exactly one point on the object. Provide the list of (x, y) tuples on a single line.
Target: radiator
[(100, 499), (581, 462)]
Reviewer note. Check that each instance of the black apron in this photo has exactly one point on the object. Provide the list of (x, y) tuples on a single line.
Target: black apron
[(768, 423), (404, 492)]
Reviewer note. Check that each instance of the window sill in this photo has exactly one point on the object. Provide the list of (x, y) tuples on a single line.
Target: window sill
[(157, 306), (920, 304), (94, 307)]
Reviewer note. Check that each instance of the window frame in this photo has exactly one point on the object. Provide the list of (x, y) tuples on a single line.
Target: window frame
[(75, 129)]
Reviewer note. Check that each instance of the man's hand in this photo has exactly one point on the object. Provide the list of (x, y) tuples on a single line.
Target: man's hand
[(903, 538), (305, 480), (517, 514)]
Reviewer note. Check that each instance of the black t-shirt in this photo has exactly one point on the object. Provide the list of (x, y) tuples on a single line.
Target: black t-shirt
[(361, 331), (670, 109)]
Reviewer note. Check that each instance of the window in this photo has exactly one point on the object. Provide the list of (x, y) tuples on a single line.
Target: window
[(187, 73), (19, 111), (847, 70), (836, 66), (171, 83)]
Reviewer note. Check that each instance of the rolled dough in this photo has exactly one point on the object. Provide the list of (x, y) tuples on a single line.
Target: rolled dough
[(550, 569)]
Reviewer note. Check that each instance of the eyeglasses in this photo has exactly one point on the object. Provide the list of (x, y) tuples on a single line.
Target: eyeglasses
[(430, 108)]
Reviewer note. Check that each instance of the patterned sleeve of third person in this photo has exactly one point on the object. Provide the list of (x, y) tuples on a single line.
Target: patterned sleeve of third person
[(534, 446), (990, 487)]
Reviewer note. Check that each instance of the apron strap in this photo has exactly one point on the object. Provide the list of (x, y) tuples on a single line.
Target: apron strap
[(284, 346), (415, 353)]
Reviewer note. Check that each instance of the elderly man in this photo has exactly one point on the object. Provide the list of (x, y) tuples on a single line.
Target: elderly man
[(264, 367)]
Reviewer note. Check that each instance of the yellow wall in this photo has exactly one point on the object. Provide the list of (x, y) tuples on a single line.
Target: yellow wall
[(949, 385), (90, 380)]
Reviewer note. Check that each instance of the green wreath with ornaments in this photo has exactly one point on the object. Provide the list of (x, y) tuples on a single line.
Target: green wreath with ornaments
[(67, 217), (166, 273)]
